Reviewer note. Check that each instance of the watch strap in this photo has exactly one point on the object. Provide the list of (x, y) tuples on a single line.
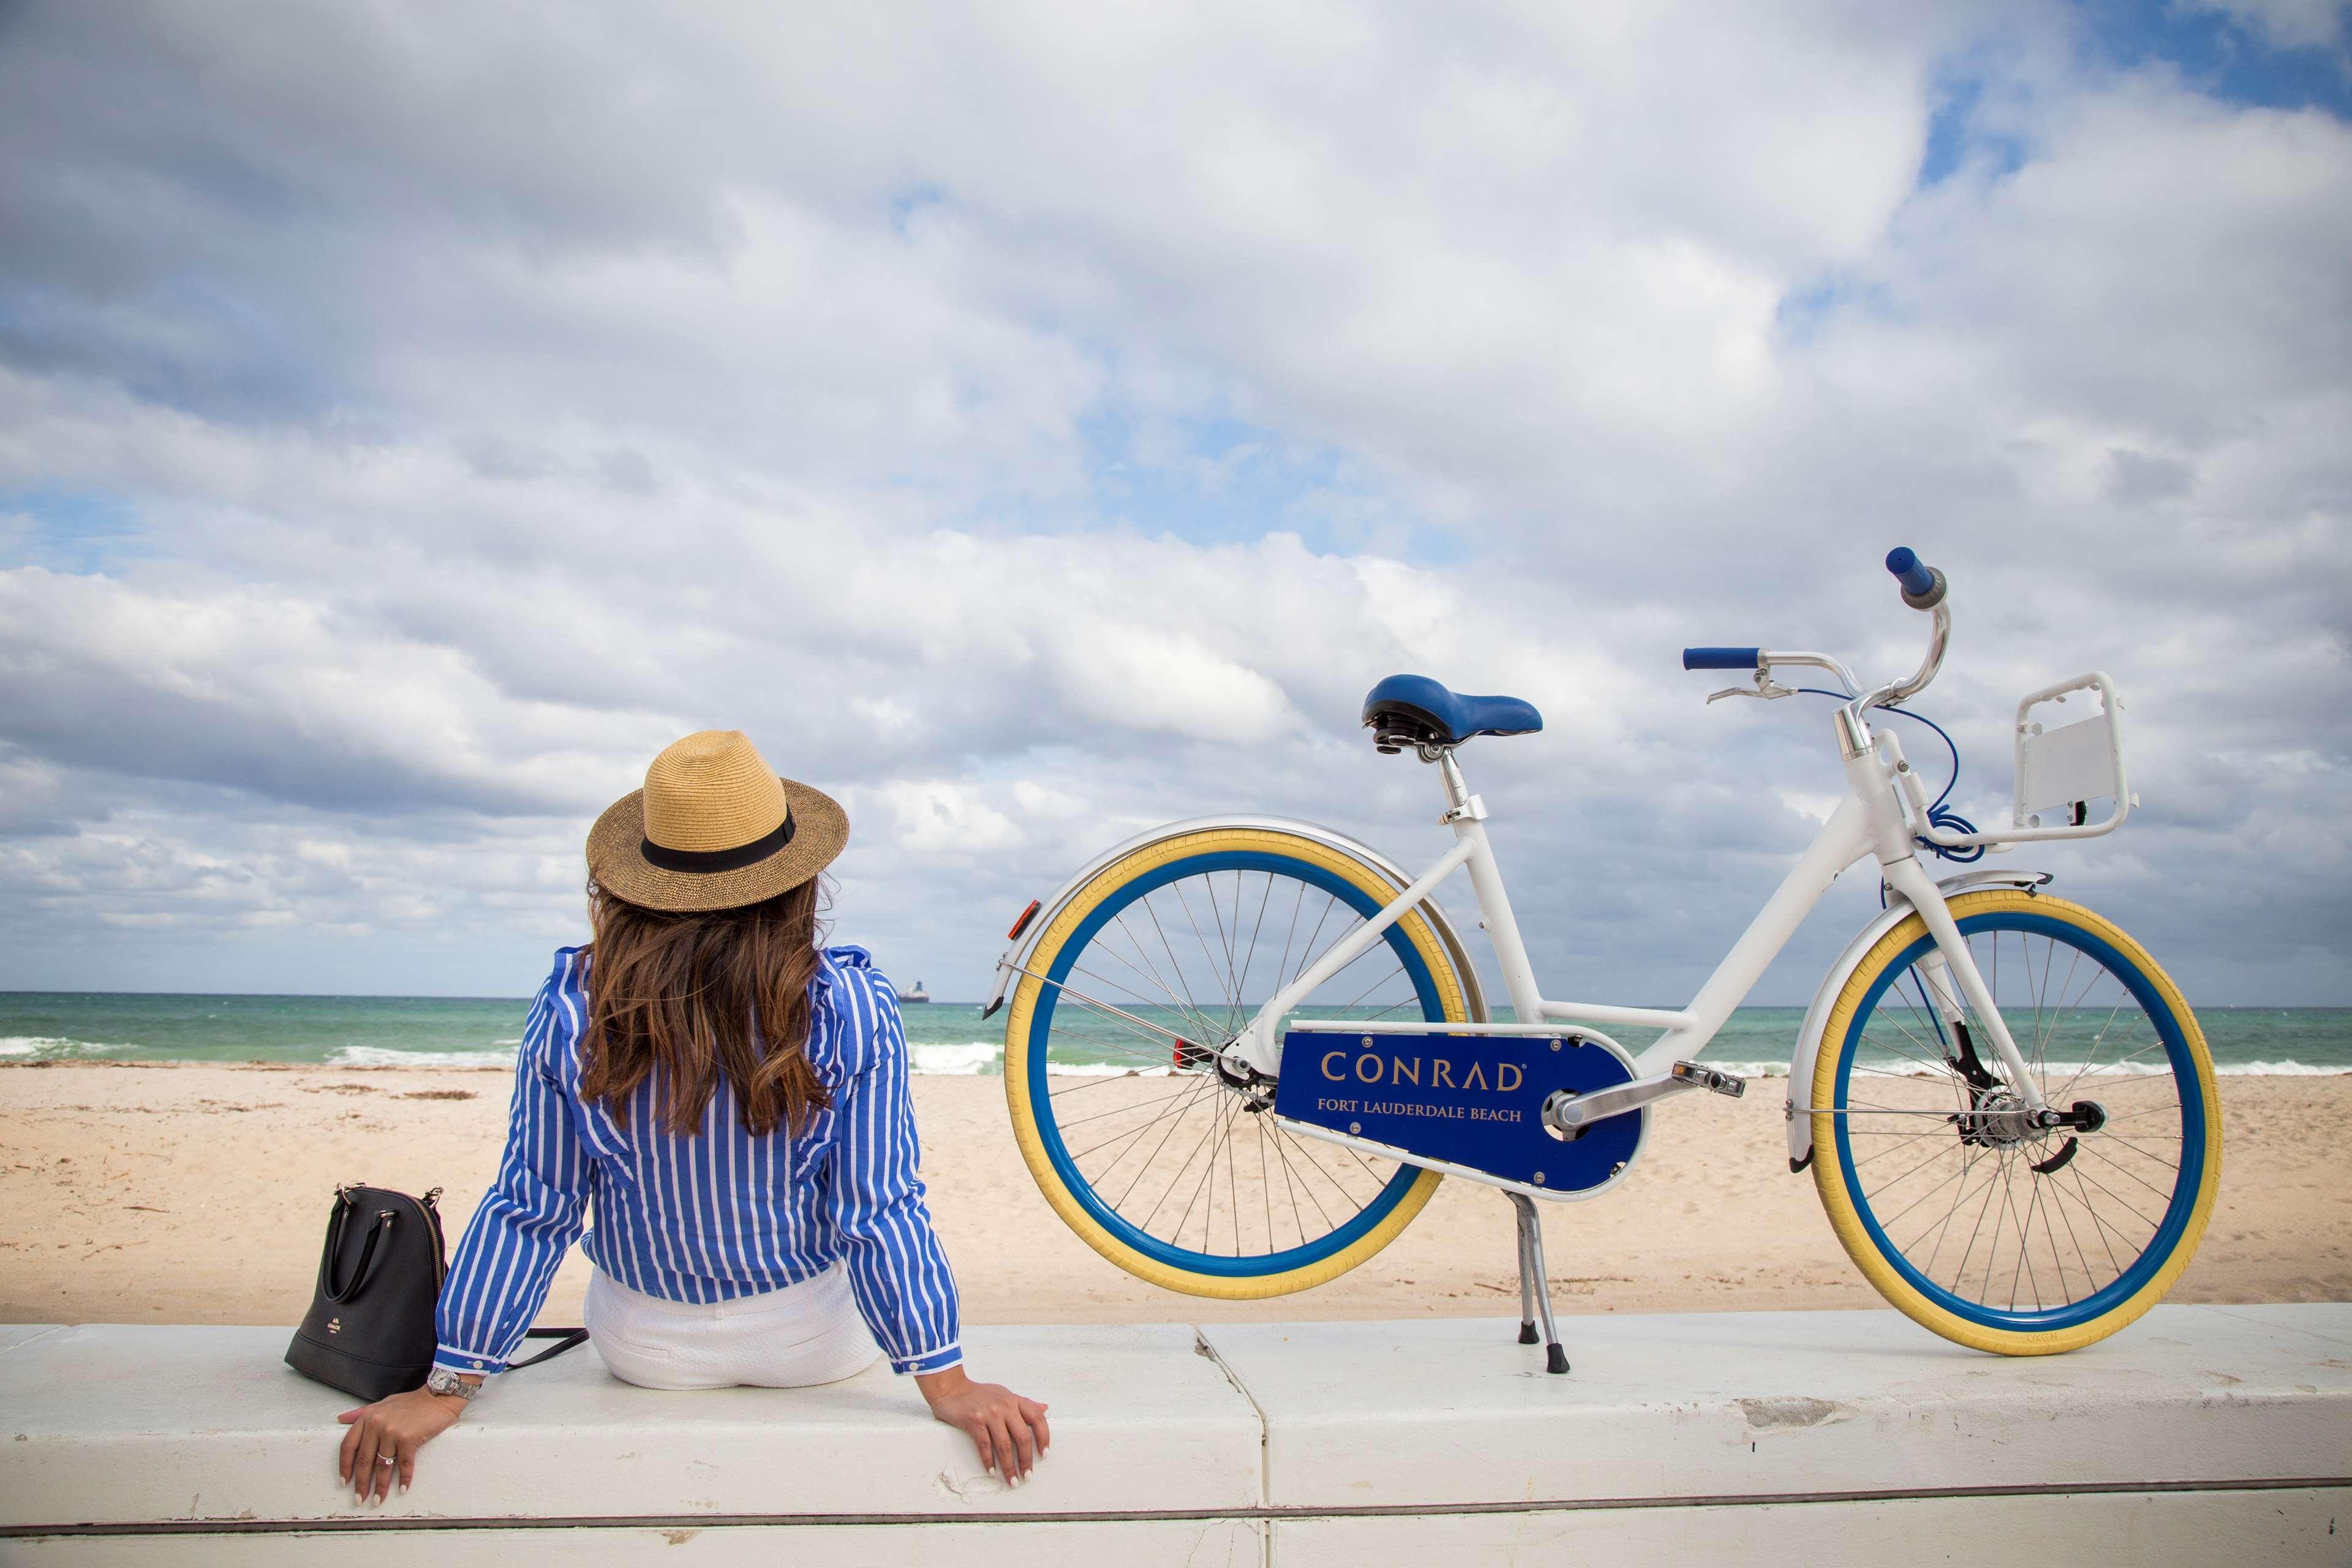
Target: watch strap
[(442, 1380)]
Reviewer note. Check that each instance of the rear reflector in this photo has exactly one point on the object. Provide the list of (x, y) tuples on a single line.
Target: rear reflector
[(1022, 924)]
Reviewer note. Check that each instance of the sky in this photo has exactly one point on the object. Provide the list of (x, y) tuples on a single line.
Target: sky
[(1034, 422)]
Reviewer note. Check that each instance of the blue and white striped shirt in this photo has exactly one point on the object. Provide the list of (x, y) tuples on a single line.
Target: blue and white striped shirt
[(719, 1214)]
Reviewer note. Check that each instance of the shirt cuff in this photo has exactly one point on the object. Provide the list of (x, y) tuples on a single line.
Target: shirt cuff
[(467, 1362), (930, 1361)]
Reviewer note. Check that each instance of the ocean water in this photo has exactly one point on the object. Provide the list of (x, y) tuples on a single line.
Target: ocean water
[(946, 1038)]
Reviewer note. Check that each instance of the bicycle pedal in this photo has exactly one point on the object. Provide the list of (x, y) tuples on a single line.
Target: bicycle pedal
[(1709, 1078)]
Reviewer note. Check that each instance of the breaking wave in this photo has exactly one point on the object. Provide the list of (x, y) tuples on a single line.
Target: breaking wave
[(976, 1059)]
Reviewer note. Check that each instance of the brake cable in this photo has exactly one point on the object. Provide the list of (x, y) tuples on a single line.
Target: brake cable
[(1952, 821)]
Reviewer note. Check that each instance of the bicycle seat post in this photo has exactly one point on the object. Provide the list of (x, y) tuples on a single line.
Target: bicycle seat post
[(1461, 805), (1457, 788)]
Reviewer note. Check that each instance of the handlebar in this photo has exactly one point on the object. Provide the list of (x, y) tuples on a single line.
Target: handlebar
[(1924, 588), (1923, 585)]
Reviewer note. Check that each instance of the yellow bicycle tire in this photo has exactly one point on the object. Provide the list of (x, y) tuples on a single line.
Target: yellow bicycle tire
[(1845, 1216), (1416, 929)]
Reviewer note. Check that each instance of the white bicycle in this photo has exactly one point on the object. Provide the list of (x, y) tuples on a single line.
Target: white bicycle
[(2008, 1109)]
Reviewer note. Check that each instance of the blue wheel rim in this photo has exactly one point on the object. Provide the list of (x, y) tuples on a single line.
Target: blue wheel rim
[(2183, 1200), (1049, 1134)]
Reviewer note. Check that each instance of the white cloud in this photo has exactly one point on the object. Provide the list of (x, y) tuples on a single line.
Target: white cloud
[(1045, 420), (2289, 23)]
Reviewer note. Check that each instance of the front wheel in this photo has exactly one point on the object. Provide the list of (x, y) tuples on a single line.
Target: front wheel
[(1147, 970), (1977, 1222)]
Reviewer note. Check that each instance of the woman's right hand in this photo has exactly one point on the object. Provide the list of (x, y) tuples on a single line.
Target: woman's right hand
[(1010, 1431), (381, 1445)]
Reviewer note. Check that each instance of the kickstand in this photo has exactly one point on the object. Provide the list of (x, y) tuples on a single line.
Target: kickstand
[(1535, 1292)]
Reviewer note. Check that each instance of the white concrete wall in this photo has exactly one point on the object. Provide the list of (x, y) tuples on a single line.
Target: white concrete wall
[(1766, 1404), (2212, 1530), (1294, 1444), (1149, 1543), (120, 1424)]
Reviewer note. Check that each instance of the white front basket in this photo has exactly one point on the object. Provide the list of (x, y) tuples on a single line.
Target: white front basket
[(2062, 767)]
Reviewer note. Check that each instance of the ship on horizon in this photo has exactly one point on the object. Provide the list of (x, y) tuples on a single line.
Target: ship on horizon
[(916, 996)]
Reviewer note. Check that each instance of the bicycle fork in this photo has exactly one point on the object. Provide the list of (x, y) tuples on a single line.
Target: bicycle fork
[(1890, 831), (1952, 979)]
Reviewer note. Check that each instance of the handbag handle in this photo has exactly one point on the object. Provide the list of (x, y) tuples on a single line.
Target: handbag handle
[(338, 1295), (566, 1339)]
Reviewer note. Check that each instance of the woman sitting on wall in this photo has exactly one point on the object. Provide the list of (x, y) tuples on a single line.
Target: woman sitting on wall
[(730, 1102)]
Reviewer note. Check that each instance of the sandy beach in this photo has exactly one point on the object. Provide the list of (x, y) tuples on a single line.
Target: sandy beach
[(198, 1194)]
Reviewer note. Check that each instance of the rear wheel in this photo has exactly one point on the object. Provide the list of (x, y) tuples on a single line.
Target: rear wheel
[(1153, 966), (1993, 1231)]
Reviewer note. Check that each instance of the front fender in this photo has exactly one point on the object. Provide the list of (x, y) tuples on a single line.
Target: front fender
[(1017, 957), (1817, 1016)]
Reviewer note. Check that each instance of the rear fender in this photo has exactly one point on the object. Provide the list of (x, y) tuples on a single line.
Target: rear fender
[(1017, 958), (1817, 1016)]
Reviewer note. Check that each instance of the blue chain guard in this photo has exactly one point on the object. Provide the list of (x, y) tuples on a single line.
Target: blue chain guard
[(1473, 1101)]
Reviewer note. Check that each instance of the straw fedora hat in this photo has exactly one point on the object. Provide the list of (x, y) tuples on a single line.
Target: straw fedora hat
[(714, 828)]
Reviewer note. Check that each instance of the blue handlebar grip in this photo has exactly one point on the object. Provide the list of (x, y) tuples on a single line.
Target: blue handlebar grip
[(1721, 657), (1917, 580)]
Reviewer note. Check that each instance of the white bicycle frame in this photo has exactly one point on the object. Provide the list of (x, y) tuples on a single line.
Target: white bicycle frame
[(1885, 811)]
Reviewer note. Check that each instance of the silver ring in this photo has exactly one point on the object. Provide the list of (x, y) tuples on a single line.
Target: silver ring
[(384, 1459)]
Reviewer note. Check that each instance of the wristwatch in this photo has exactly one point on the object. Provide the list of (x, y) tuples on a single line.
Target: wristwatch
[(443, 1381)]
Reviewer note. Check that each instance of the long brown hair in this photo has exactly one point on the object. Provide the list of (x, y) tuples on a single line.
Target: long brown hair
[(701, 994)]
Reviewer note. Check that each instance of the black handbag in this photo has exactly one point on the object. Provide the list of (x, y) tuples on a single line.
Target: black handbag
[(370, 1327)]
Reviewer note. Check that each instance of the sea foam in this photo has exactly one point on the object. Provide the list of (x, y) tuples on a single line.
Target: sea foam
[(47, 1047), (381, 1056), (974, 1059), (967, 1059)]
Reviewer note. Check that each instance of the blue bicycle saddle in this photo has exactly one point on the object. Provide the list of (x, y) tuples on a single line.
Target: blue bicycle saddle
[(1412, 709)]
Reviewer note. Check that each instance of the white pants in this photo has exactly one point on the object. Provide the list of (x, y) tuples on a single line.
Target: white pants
[(804, 1333)]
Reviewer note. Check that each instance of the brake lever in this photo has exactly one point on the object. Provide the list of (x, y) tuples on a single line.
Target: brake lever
[(1766, 687)]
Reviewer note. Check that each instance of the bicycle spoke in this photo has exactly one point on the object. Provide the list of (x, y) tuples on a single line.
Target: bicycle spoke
[(1174, 1000), (1289, 1174), (1942, 1231), (1282, 965), (1306, 954), (1265, 1186), (1208, 957), (1932, 1223), (1249, 956), (1110, 982), (1188, 1097), (2106, 1137), (2082, 1175), (1136, 1180), (2127, 1170), (1070, 1121), (2092, 1055), (1083, 1000)]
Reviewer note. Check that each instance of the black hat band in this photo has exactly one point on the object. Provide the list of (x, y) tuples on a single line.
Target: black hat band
[(702, 862)]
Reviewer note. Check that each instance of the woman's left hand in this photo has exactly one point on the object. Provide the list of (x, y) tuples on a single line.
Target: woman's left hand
[(385, 1437), (1009, 1431)]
